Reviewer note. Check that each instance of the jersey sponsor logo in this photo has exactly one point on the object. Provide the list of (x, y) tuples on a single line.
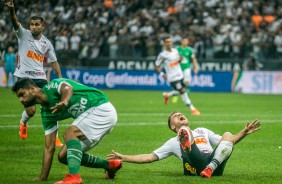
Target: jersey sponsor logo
[(190, 168), (201, 140), (34, 73), (174, 63), (78, 108), (184, 60), (52, 85), (35, 56)]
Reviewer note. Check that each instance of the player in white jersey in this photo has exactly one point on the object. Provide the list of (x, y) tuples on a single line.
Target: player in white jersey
[(33, 46), (194, 147), (170, 59)]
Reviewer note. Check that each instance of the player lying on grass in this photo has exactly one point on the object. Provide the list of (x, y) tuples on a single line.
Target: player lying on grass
[(94, 117), (194, 147)]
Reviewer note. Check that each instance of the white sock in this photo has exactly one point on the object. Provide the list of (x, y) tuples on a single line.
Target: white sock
[(57, 134), (187, 101), (222, 152), (25, 117), (173, 93)]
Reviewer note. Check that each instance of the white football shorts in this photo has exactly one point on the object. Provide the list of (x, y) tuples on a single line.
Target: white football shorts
[(187, 75), (95, 123)]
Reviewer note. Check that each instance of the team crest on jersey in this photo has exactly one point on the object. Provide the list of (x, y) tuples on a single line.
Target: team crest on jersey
[(44, 48), (199, 131)]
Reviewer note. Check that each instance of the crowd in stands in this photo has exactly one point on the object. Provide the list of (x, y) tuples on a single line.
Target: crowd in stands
[(134, 28)]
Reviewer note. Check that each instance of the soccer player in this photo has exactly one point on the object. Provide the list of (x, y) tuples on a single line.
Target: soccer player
[(194, 147), (170, 59), (10, 61), (94, 118), (33, 46), (188, 55)]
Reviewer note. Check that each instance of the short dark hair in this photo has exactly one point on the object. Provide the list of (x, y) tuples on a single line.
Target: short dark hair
[(166, 37), (23, 83), (168, 121), (37, 18)]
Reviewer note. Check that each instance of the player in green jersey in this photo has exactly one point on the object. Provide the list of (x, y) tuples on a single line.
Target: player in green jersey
[(188, 55), (94, 117)]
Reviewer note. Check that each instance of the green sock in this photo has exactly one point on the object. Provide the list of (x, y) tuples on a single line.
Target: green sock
[(94, 162), (74, 155), (188, 89)]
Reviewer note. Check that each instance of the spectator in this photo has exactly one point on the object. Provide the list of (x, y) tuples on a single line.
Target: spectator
[(209, 21), (218, 43), (113, 44), (10, 65), (62, 42), (75, 42)]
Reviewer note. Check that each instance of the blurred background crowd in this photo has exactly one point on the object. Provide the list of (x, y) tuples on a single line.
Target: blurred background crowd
[(133, 28)]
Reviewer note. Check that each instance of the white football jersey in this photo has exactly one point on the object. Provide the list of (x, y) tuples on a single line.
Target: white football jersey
[(31, 54), (204, 139), (170, 61)]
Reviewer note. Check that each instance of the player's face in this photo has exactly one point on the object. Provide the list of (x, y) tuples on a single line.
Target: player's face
[(178, 120), (26, 97), (168, 43), (36, 27), (185, 42)]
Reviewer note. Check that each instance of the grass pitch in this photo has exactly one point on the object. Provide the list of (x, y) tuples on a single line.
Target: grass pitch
[(142, 127)]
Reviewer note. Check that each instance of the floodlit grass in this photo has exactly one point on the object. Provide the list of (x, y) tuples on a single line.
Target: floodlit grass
[(142, 127)]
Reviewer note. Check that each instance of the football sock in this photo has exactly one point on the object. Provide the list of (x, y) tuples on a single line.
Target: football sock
[(188, 90), (222, 152), (74, 155), (173, 93), (57, 134), (93, 161), (187, 101), (25, 117)]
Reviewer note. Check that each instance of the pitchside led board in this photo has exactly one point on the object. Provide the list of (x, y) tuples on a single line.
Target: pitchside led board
[(252, 82)]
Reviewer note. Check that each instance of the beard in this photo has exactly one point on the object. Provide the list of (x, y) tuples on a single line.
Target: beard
[(30, 103), (35, 33)]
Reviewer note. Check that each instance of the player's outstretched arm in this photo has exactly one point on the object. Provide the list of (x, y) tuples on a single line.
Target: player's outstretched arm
[(195, 64), (14, 19), (249, 128), (140, 159)]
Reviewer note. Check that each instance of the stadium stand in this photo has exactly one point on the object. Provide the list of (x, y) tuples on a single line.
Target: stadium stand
[(133, 28)]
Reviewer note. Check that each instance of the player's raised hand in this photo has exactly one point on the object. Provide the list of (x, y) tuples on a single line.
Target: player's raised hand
[(252, 127), (10, 4)]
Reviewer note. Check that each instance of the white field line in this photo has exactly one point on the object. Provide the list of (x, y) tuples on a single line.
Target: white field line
[(166, 114), (154, 123)]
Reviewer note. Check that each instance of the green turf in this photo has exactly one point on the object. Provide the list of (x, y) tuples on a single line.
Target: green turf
[(142, 127)]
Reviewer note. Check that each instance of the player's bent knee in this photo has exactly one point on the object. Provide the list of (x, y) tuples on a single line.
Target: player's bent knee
[(182, 90), (227, 136), (72, 133)]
